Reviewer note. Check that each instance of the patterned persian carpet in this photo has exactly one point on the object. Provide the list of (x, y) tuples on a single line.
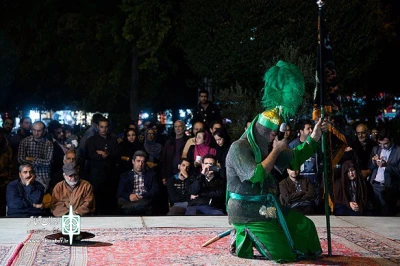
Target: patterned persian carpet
[(8, 253), (182, 246)]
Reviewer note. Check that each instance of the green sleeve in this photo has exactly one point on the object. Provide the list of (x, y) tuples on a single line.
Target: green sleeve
[(303, 152), (259, 174)]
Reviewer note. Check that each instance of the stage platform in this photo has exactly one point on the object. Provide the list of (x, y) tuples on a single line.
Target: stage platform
[(16, 230)]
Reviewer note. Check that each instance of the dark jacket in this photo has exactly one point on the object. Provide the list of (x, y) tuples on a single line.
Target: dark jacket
[(168, 154), (209, 192), (288, 194), (177, 190), (20, 199), (392, 171), (208, 115), (125, 186)]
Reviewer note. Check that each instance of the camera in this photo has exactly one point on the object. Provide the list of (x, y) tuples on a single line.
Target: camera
[(214, 168)]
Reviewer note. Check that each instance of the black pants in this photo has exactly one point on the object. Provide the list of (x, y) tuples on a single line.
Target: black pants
[(140, 207)]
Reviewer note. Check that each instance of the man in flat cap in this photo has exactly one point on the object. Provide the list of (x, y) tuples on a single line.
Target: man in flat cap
[(72, 191)]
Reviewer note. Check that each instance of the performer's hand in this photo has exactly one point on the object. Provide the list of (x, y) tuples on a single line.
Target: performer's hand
[(279, 145), (317, 131)]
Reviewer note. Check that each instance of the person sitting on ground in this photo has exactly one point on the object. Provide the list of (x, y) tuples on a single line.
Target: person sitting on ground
[(137, 188), (177, 189), (351, 192), (72, 191), (207, 190), (297, 192), (25, 195)]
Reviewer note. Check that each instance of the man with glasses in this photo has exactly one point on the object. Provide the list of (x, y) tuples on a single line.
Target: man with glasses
[(385, 177), (38, 151), (207, 191), (360, 150)]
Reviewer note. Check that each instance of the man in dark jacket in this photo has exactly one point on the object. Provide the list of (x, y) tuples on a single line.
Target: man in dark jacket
[(385, 177), (177, 189), (25, 195), (137, 188), (207, 191)]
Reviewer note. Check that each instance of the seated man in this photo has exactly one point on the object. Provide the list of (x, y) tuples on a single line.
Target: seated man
[(72, 191), (25, 195), (137, 188), (207, 190), (297, 192), (177, 189)]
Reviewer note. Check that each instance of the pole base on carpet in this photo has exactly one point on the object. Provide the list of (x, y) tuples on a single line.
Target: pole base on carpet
[(218, 237)]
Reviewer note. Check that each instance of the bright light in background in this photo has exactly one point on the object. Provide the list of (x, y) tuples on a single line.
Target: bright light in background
[(34, 115), (182, 113), (145, 115)]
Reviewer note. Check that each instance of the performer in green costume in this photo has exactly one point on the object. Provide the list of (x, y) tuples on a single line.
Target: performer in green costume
[(279, 234)]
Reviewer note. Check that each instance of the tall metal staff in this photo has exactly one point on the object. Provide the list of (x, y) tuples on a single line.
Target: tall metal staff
[(321, 84)]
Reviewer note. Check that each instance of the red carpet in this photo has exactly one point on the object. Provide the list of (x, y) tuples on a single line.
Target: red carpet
[(182, 246)]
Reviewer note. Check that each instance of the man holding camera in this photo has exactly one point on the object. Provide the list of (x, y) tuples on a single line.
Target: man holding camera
[(385, 177), (207, 191)]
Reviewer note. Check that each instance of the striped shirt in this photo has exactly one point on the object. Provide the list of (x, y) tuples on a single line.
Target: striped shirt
[(42, 152)]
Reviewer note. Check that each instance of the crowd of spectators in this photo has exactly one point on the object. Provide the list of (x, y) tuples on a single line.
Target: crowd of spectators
[(45, 169)]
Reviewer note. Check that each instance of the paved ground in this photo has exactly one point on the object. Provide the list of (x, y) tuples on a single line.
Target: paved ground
[(15, 230)]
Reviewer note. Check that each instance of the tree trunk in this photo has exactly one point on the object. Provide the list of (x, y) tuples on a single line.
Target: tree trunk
[(134, 103)]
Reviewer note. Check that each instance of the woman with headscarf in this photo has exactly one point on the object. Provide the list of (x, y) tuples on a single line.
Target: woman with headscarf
[(224, 142), (127, 148), (150, 145), (350, 192), (199, 150)]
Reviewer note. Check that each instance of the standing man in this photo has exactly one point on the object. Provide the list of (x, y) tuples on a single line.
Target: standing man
[(359, 151), (82, 149), (38, 151), (8, 125), (103, 153), (385, 177), (137, 188), (172, 151), (25, 195), (56, 135), (25, 126), (205, 110), (6, 170)]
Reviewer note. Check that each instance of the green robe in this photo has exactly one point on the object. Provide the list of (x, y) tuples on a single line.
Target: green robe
[(291, 236)]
